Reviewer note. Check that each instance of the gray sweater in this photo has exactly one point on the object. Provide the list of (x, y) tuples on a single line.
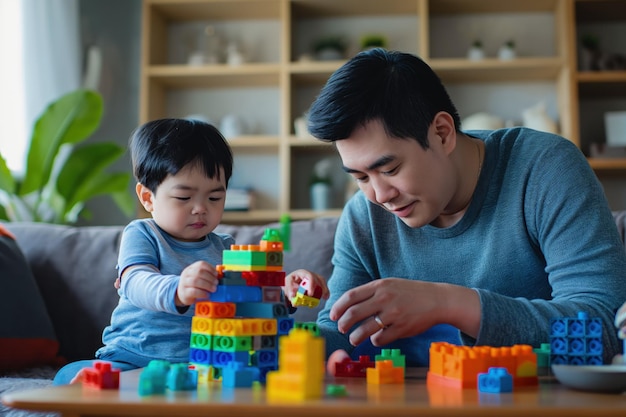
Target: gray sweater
[(537, 242)]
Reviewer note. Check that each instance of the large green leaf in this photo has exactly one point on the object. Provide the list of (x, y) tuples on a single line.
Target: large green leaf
[(82, 176), (71, 119), (7, 182)]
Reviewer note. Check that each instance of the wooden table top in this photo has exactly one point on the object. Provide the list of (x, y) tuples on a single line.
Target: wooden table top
[(413, 398)]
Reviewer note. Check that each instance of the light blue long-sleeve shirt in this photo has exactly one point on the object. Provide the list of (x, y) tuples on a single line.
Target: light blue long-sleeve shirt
[(537, 242), (146, 324)]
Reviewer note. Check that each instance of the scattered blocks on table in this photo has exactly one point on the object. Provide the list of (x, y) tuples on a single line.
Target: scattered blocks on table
[(496, 380), (334, 390), (237, 374), (576, 340), (160, 375), (459, 366), (300, 374), (101, 376), (394, 355), (385, 372), (350, 368), (543, 355)]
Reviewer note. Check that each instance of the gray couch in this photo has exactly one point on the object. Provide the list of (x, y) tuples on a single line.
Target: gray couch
[(74, 269)]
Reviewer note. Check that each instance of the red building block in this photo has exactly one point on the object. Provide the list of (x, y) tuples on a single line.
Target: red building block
[(101, 376)]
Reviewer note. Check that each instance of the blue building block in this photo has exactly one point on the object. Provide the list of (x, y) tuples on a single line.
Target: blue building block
[(238, 374), (264, 358), (576, 340), (236, 294), (261, 310), (200, 356), (284, 325), (181, 378), (496, 380), (222, 359), (153, 378)]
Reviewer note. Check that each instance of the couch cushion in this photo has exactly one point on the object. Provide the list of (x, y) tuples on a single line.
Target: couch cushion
[(75, 271), (27, 337)]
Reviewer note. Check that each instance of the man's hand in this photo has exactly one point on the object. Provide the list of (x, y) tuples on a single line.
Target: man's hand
[(393, 308)]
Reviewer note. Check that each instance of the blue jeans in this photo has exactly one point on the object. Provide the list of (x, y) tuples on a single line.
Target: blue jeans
[(69, 371)]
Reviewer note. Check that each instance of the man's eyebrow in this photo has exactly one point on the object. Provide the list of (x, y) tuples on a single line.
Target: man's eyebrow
[(382, 161)]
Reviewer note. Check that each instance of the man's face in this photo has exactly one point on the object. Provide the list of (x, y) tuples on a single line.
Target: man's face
[(398, 174)]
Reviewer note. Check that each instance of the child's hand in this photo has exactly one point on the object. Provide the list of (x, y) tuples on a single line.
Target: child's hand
[(312, 282), (79, 378), (196, 281), (336, 357)]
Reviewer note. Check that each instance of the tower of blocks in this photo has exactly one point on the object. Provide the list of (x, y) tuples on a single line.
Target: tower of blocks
[(459, 366), (576, 340), (234, 334), (300, 375)]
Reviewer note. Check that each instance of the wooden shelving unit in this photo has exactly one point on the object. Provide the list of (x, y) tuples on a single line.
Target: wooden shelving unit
[(168, 85)]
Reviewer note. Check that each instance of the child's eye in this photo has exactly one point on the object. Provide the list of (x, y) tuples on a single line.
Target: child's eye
[(215, 198), (182, 198)]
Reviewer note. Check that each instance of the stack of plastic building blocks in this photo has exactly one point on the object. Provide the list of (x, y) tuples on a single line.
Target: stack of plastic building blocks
[(459, 366), (389, 368), (300, 375), (236, 330), (576, 340)]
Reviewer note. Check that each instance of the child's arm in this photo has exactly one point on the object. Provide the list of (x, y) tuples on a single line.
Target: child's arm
[(306, 283)]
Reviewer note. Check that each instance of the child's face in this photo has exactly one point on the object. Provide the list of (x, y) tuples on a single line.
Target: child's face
[(187, 205)]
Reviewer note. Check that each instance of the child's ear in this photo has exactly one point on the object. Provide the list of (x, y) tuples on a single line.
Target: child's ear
[(145, 196)]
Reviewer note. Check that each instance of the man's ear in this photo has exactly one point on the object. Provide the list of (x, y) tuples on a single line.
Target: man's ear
[(443, 125), (145, 196)]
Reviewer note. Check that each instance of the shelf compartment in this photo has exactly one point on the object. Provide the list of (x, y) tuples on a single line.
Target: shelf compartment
[(601, 84), (588, 11), (217, 75), (348, 8), (490, 6), (191, 10), (492, 69)]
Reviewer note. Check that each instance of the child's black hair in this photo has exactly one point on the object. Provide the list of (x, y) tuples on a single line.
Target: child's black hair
[(163, 147)]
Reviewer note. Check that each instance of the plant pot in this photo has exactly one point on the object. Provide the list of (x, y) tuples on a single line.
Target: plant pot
[(320, 196)]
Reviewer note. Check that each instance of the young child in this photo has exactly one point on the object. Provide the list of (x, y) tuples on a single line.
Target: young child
[(167, 262)]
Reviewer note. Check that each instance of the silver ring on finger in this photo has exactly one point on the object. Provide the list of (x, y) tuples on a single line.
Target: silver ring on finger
[(380, 323)]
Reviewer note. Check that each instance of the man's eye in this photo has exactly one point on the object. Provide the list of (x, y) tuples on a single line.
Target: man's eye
[(361, 179), (391, 171)]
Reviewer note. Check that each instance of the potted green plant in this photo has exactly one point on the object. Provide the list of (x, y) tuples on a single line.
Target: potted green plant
[(371, 41), (331, 47), (62, 172)]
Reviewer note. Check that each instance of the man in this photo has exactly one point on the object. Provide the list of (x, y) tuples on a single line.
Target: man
[(476, 238)]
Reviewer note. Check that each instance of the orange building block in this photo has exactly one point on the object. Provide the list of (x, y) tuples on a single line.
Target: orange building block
[(215, 309), (385, 373), (459, 366)]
